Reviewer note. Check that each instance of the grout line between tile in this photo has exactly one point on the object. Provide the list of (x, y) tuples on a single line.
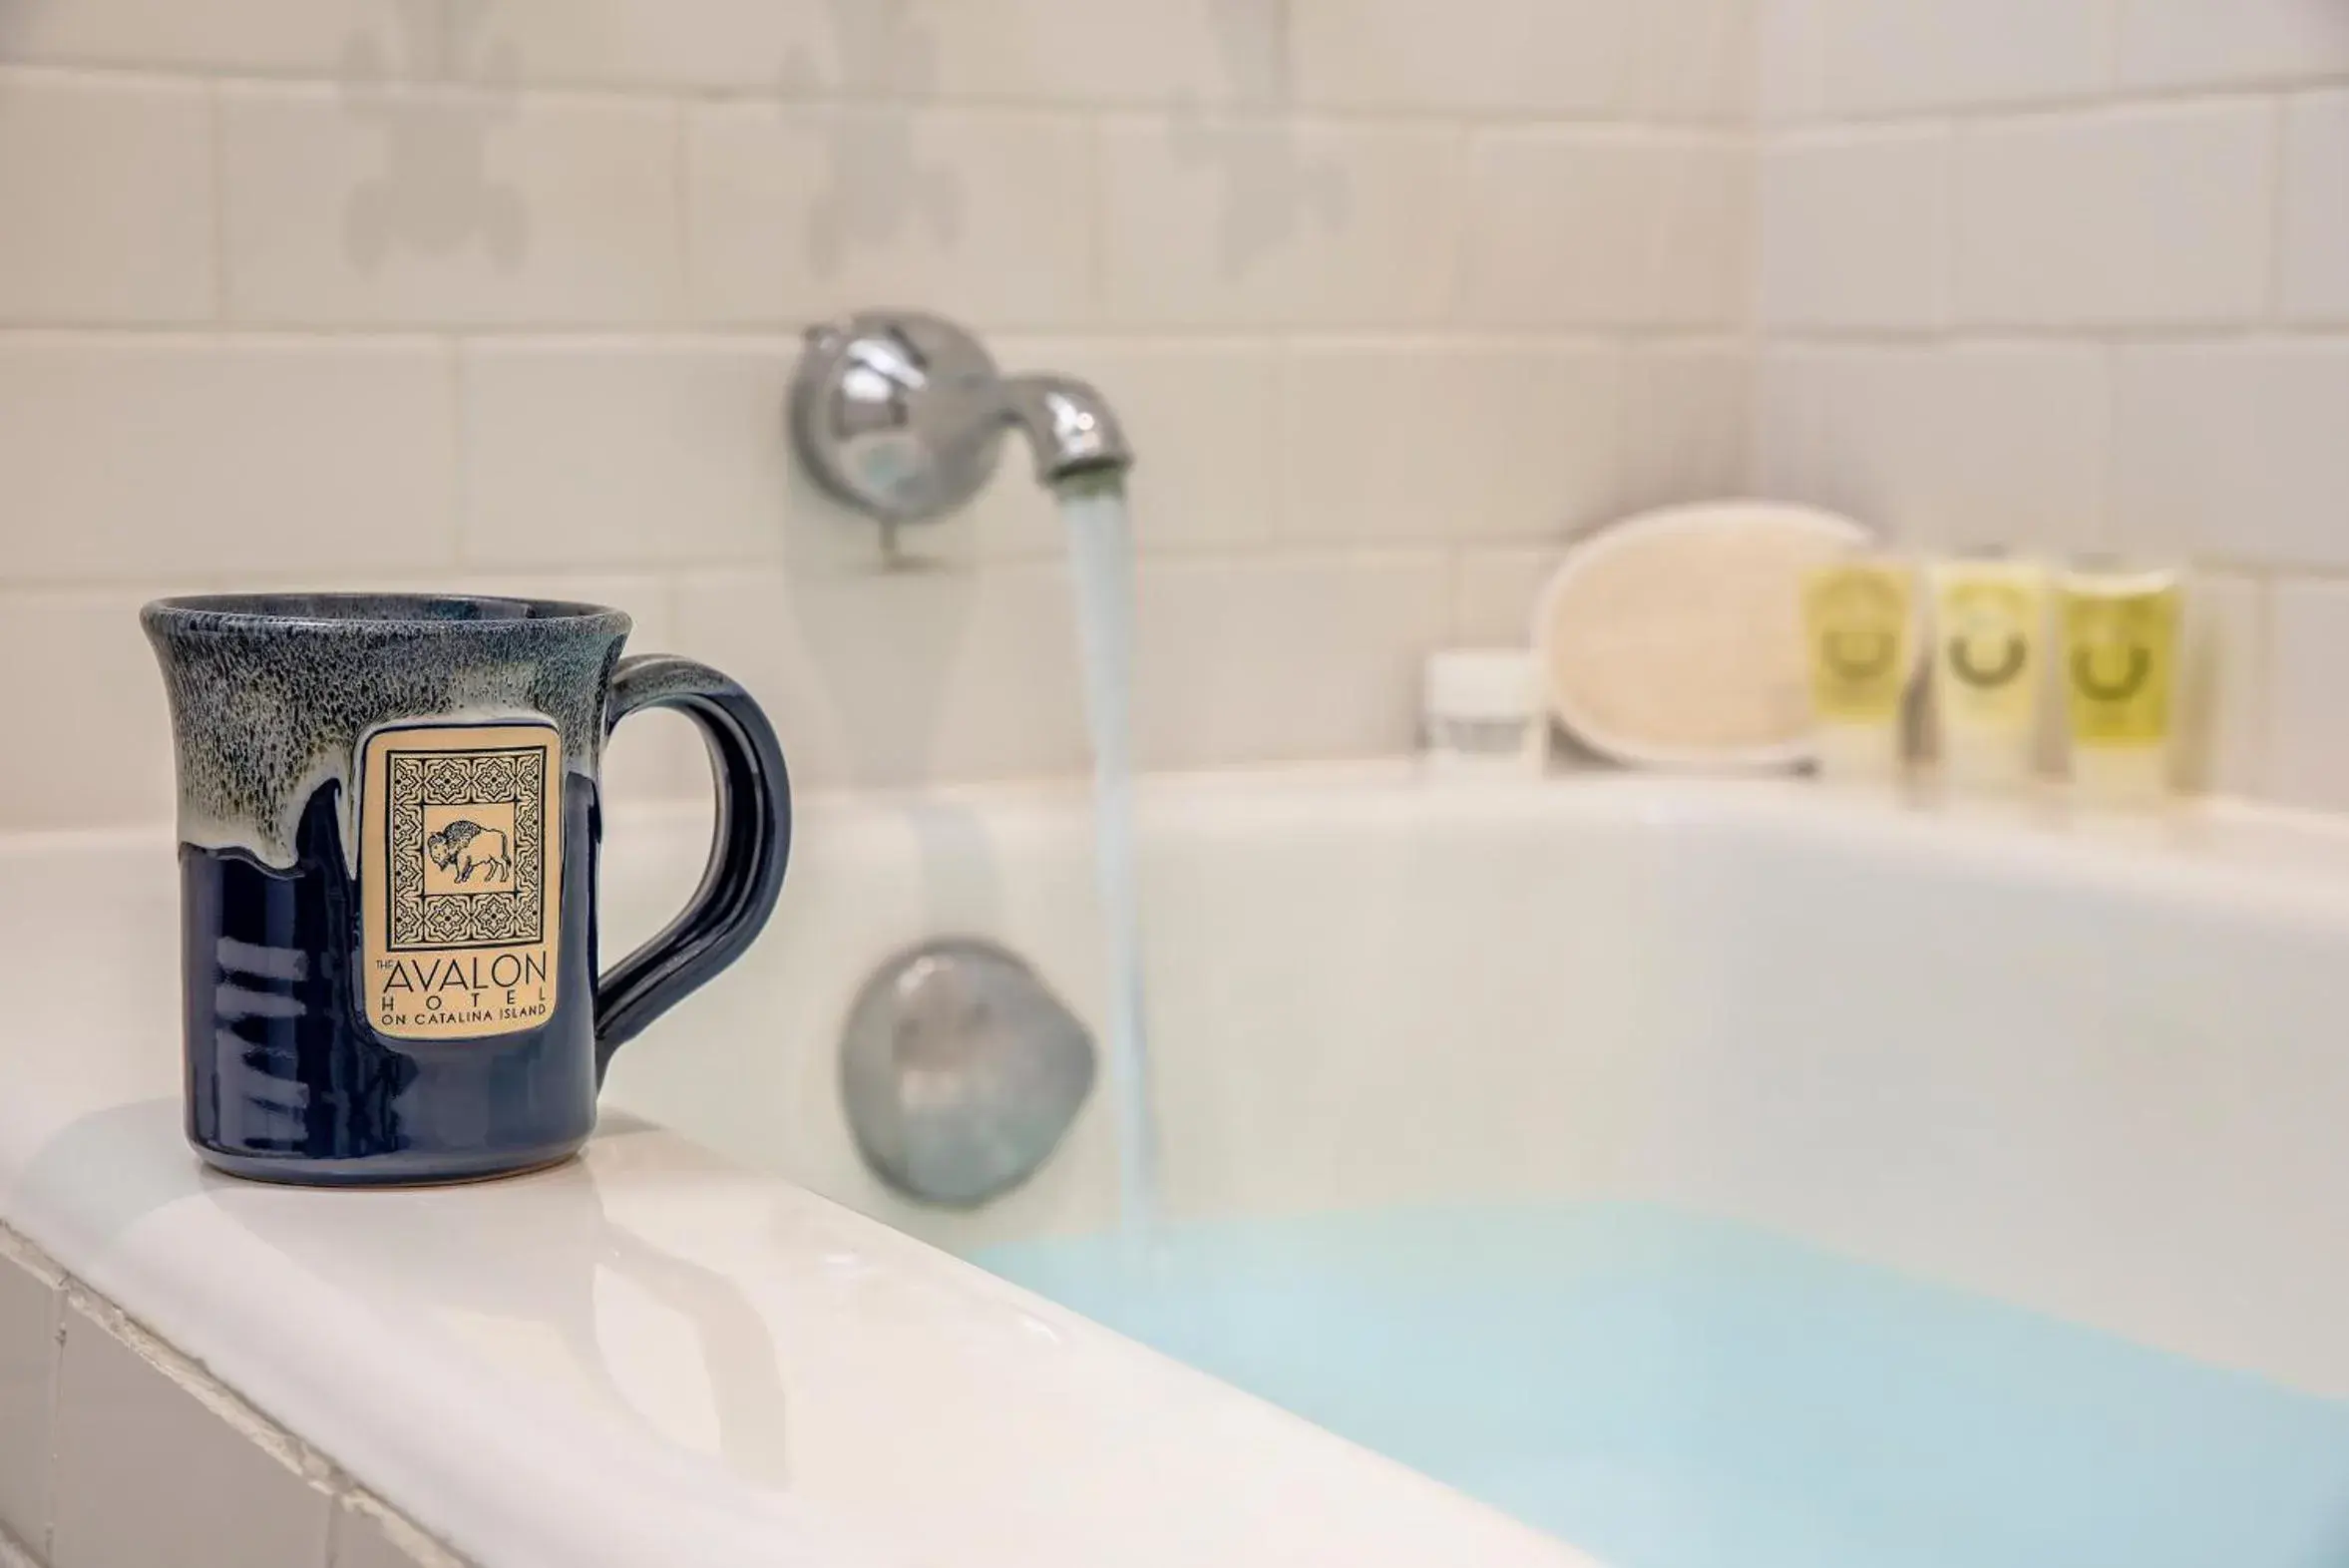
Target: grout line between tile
[(681, 173), (2179, 335), (217, 137), (2092, 104), (2259, 741), (423, 82), (461, 520), (785, 333), (2107, 530), (2107, 45), (1096, 227), (2278, 194), (1950, 218)]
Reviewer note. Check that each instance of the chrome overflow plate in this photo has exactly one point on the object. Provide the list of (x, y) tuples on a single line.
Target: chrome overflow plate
[(961, 1072)]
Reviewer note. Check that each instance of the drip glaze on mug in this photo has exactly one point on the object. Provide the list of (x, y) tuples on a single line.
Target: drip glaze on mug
[(389, 836)]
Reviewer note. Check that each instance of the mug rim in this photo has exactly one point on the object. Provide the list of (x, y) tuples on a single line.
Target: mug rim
[(377, 612)]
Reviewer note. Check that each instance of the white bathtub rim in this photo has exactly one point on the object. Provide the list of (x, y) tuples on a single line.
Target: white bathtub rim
[(505, 1470), (270, 1291), (231, 1274), (2191, 835)]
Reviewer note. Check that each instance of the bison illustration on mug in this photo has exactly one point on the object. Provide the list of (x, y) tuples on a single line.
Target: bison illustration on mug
[(467, 847)]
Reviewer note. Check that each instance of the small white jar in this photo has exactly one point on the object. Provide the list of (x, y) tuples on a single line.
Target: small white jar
[(1481, 714)]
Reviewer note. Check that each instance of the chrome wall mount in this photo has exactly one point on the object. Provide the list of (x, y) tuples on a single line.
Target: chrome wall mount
[(961, 1072), (902, 415)]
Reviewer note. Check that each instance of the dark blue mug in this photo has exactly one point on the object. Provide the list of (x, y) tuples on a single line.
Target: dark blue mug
[(389, 825)]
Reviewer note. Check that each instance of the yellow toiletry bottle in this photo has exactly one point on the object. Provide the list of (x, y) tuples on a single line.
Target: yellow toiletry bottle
[(1989, 663), (1859, 624), (2120, 631)]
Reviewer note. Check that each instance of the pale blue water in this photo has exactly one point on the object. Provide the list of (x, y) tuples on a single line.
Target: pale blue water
[(1101, 559), (1672, 1392)]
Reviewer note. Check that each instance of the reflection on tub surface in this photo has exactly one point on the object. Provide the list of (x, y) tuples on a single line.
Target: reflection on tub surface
[(1675, 1392)]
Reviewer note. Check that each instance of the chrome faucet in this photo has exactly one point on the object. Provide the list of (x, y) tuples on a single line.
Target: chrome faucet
[(901, 416)]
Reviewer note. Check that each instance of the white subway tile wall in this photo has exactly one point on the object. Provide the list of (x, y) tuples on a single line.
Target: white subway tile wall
[(1939, 54), (1232, 220), (799, 211), (1562, 56), (1388, 442), (1307, 657), (1790, 51), (127, 455), (1855, 230), (1394, 296), (2134, 215), (1582, 227), (2229, 43), (2313, 268), (1686, 410), (956, 675), (623, 452), (356, 206), (107, 185), (507, 294), (2233, 449), (2226, 714), (1495, 596), (86, 643), (1965, 445), (2307, 723), (315, 36), (2075, 274)]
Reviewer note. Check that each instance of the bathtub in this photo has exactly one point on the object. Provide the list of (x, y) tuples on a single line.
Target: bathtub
[(2083, 1072)]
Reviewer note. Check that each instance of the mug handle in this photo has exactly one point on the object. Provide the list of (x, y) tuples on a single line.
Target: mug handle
[(746, 853)]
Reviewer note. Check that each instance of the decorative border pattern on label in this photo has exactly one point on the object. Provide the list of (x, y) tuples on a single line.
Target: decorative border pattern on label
[(422, 919)]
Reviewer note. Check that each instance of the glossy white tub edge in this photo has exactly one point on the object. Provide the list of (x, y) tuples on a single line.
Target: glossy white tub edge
[(650, 1354), (2090, 1070)]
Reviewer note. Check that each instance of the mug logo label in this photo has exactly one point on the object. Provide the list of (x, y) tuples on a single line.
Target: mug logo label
[(460, 879)]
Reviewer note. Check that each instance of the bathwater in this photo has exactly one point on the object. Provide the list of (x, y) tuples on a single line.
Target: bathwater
[(1667, 1390)]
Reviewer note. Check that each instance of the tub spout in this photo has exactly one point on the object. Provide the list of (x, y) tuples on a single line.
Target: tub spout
[(1069, 428), (901, 416)]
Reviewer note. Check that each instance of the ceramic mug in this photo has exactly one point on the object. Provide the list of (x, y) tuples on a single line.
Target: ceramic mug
[(389, 826)]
